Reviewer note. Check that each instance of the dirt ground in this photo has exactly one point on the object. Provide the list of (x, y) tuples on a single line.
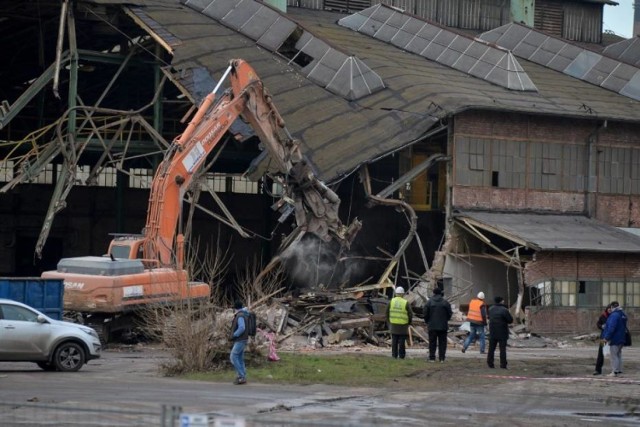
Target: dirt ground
[(543, 387)]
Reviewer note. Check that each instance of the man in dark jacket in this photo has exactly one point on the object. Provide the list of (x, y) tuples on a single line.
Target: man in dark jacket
[(437, 313), (399, 316), (614, 335), (600, 325), (499, 320)]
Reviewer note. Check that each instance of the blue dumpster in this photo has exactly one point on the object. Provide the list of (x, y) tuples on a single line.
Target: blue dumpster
[(45, 295)]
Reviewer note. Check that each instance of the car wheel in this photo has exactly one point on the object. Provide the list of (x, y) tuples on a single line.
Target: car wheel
[(68, 357), (46, 366)]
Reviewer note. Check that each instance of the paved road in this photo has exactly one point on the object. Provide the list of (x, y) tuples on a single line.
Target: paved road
[(126, 380)]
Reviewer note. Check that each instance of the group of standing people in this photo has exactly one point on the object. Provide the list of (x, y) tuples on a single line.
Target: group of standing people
[(613, 325), (499, 319), (437, 313)]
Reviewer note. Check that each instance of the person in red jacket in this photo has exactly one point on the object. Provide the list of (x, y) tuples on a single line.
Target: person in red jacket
[(600, 325)]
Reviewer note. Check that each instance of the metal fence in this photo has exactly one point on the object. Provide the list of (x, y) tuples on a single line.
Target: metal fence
[(29, 414), (40, 414)]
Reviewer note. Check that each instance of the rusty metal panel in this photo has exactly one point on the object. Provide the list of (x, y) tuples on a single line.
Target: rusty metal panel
[(582, 22), (493, 14), (348, 6), (307, 4), (427, 9), (448, 12), (548, 17), (469, 12)]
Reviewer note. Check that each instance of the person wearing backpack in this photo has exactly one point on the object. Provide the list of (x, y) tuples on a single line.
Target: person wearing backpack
[(239, 337)]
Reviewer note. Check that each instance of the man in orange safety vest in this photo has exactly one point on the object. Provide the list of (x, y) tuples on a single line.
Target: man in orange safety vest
[(477, 317)]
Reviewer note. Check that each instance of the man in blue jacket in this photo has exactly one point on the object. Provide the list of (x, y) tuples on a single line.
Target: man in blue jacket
[(239, 337), (614, 335)]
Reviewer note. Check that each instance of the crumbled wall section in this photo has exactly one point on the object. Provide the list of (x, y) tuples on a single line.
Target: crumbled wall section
[(577, 266)]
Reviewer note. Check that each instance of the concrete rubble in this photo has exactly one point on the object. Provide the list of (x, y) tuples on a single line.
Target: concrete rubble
[(325, 320)]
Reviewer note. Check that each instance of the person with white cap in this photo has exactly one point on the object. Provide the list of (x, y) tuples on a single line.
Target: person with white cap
[(477, 317), (399, 316)]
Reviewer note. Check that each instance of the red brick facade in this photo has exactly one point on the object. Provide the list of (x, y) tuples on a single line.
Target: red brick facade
[(621, 210)]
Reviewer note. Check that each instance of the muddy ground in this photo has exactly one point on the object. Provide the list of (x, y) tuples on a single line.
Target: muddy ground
[(542, 387)]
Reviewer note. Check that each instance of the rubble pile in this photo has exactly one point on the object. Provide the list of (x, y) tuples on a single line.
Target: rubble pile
[(332, 320)]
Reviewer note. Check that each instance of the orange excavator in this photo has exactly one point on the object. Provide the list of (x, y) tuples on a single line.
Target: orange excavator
[(144, 269)]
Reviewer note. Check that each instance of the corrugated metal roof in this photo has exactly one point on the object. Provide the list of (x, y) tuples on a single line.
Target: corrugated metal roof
[(339, 135), (553, 232)]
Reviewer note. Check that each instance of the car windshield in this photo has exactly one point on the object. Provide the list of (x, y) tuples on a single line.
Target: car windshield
[(13, 312)]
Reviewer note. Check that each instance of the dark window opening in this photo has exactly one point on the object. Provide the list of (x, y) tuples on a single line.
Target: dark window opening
[(288, 49), (582, 287), (495, 179)]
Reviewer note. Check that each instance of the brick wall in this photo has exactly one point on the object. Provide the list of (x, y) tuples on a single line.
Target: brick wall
[(575, 321), (578, 266), (615, 209), (582, 266)]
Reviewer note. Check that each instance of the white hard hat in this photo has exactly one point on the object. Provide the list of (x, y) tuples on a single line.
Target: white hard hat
[(480, 295), (399, 290)]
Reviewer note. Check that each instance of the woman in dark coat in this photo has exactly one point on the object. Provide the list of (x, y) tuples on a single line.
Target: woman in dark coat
[(499, 320), (602, 320)]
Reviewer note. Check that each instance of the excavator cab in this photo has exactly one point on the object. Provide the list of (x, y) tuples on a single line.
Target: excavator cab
[(128, 246)]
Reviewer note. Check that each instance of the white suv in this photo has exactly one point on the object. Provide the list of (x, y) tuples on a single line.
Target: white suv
[(26, 335)]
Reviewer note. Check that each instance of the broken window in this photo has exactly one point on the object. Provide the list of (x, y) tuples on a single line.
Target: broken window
[(140, 178), (289, 50), (476, 155), (6, 170), (231, 183), (615, 170), (509, 159), (633, 294), (589, 294), (564, 293), (612, 290)]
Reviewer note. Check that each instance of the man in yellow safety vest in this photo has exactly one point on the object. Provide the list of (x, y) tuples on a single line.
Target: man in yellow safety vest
[(399, 316)]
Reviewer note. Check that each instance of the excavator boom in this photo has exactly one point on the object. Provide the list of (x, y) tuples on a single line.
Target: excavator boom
[(316, 206)]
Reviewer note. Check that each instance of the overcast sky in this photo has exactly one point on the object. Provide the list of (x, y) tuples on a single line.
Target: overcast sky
[(619, 19)]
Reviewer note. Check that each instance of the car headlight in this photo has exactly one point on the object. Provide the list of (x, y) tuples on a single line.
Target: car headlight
[(91, 332)]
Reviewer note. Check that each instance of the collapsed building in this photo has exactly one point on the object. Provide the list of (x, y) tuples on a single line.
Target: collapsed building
[(483, 146)]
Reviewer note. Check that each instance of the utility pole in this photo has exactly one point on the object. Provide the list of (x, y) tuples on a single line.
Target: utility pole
[(636, 18)]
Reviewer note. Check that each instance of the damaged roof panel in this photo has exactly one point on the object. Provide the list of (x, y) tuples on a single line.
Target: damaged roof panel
[(553, 232), (339, 135), (272, 29)]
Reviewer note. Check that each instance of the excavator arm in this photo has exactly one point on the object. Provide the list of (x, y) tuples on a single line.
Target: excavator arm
[(315, 205)]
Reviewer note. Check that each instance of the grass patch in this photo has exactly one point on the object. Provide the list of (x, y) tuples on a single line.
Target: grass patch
[(346, 370)]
